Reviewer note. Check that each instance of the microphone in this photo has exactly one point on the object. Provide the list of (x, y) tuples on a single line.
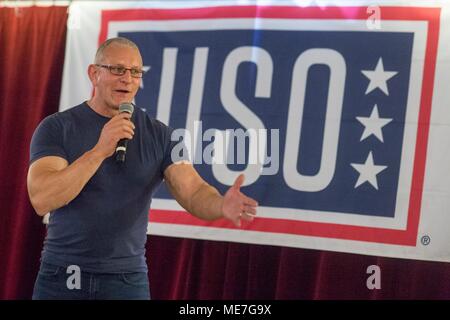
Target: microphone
[(121, 148)]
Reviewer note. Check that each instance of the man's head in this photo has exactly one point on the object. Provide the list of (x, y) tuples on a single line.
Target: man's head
[(116, 73)]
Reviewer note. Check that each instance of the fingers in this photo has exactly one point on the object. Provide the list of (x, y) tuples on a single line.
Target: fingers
[(123, 117), (250, 211), (247, 209), (249, 201), (237, 185), (127, 131), (238, 206), (121, 126), (247, 216), (117, 128), (122, 131), (239, 181)]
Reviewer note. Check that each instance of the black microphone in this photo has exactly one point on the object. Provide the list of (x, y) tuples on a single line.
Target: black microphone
[(121, 148)]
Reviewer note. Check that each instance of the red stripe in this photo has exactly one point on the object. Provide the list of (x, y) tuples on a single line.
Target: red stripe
[(280, 12), (284, 226)]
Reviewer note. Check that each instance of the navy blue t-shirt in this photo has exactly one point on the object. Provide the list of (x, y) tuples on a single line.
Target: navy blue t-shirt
[(104, 229)]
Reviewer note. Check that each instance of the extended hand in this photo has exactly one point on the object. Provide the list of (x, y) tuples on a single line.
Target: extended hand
[(236, 205)]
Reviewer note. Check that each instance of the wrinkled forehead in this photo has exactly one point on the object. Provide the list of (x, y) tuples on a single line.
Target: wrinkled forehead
[(119, 54)]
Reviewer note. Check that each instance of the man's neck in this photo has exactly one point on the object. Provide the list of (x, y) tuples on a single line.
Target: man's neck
[(101, 108)]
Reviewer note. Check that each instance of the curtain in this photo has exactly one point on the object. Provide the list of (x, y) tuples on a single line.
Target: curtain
[(195, 269), (32, 42)]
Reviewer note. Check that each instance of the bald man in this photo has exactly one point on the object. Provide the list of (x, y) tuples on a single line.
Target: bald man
[(95, 243)]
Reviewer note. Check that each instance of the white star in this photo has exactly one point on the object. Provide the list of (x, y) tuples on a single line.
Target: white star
[(368, 171), (378, 77), (373, 124), (145, 68)]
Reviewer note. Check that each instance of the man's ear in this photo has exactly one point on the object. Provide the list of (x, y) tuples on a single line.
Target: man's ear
[(93, 74)]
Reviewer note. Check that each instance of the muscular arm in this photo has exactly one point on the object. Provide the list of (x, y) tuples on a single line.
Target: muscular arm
[(204, 201), (192, 192), (53, 183)]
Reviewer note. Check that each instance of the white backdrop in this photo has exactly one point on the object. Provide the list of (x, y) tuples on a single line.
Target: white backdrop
[(417, 227)]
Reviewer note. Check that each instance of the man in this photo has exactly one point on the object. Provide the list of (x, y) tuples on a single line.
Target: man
[(99, 207)]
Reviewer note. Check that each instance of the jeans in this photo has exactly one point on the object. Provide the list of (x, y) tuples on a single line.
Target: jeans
[(58, 283)]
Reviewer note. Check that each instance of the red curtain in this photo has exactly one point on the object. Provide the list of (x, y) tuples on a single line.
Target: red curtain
[(194, 269), (32, 42)]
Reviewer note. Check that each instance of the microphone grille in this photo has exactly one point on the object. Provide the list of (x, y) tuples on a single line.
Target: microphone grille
[(126, 107)]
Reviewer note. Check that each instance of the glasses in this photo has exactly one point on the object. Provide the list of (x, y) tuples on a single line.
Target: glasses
[(120, 70)]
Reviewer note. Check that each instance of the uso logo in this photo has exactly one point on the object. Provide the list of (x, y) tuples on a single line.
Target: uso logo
[(344, 109)]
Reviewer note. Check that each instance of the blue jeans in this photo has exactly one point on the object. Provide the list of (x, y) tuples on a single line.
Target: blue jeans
[(53, 283)]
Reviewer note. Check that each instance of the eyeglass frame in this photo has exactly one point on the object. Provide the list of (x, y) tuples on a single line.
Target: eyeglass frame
[(110, 67)]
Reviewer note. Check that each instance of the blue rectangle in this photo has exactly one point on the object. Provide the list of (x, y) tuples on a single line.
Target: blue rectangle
[(360, 50)]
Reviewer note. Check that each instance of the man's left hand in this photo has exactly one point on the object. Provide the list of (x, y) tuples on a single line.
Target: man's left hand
[(236, 205)]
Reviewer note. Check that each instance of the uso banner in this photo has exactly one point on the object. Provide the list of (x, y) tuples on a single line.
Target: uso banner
[(338, 114)]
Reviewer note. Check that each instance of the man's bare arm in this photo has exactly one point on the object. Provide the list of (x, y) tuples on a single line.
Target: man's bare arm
[(53, 183), (204, 201)]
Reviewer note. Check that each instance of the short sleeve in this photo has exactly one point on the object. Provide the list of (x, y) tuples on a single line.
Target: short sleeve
[(175, 148), (47, 139)]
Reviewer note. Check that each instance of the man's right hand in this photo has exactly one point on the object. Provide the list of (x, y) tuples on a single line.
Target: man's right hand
[(119, 127)]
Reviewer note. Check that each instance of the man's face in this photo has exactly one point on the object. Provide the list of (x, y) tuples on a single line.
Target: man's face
[(113, 89)]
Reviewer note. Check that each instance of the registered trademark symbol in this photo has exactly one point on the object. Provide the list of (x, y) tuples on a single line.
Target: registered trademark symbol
[(425, 240)]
